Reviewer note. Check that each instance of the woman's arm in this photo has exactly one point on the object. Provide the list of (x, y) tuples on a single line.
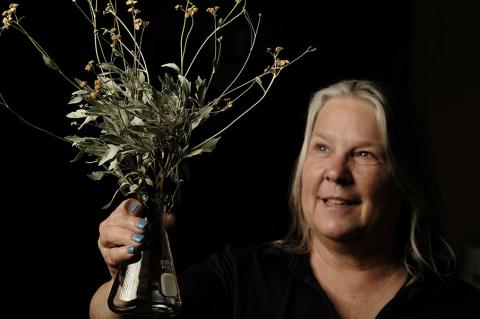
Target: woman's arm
[(98, 305), (116, 244)]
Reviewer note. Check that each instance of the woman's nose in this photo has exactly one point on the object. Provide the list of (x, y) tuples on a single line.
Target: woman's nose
[(338, 171)]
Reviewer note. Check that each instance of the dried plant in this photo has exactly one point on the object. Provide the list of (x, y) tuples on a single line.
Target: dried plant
[(136, 132)]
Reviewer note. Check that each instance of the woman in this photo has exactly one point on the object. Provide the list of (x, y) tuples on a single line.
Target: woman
[(368, 237)]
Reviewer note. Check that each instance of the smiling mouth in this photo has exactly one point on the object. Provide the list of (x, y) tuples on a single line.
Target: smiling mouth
[(336, 202)]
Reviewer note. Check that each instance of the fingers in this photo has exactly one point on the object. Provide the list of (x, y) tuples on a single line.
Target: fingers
[(115, 256), (127, 215), (119, 244), (122, 234), (114, 236)]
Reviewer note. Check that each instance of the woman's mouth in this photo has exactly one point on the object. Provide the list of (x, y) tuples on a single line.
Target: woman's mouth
[(339, 202), (336, 202)]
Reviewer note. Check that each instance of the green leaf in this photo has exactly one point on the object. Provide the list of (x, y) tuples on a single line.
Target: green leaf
[(113, 139), (76, 139), (76, 99), (201, 90), (109, 154), (124, 116), (133, 188), (206, 147), (137, 121), (148, 181), (78, 114), (168, 83), (113, 165), (97, 175), (171, 66), (185, 85), (49, 62), (79, 92), (88, 119), (204, 114), (141, 77), (110, 84), (108, 66)]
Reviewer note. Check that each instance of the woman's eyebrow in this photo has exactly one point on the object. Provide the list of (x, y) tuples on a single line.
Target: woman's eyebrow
[(359, 143)]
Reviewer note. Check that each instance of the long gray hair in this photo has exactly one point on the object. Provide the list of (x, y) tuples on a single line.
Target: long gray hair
[(422, 239)]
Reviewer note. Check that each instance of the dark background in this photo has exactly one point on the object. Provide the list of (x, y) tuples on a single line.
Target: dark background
[(238, 193)]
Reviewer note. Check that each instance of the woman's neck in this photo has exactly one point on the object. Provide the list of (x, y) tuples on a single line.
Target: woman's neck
[(353, 277), (352, 255)]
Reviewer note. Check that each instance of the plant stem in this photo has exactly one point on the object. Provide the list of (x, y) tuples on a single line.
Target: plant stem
[(44, 53), (4, 103), (265, 91)]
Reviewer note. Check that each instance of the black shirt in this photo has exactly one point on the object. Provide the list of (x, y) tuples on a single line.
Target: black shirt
[(270, 283)]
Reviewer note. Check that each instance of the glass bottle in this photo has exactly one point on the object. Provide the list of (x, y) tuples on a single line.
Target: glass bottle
[(148, 287)]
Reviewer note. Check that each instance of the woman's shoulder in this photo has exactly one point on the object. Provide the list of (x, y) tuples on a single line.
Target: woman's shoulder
[(445, 297)]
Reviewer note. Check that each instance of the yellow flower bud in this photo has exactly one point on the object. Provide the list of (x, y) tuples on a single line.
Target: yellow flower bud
[(89, 65), (6, 22)]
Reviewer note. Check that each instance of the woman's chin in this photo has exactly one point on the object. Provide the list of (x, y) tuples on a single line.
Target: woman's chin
[(340, 234)]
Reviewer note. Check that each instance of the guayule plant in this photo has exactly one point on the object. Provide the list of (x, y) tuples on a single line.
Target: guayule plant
[(137, 132)]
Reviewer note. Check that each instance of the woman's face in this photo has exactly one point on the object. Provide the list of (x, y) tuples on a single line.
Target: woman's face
[(348, 191)]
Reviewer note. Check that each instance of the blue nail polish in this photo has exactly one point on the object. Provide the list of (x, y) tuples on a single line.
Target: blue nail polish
[(133, 207), (138, 237), (131, 249), (141, 224)]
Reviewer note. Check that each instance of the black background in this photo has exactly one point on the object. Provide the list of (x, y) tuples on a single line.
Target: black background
[(238, 193)]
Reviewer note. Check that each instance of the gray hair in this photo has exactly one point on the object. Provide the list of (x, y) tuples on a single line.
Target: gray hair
[(421, 236)]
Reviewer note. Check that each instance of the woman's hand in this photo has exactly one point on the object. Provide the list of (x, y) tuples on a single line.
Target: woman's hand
[(122, 234)]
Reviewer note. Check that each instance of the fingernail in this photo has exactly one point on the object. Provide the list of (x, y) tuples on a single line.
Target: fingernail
[(131, 249), (138, 237), (141, 224), (133, 207)]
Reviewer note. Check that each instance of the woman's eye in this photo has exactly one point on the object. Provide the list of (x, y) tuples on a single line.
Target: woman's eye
[(320, 147), (366, 157), (364, 154)]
